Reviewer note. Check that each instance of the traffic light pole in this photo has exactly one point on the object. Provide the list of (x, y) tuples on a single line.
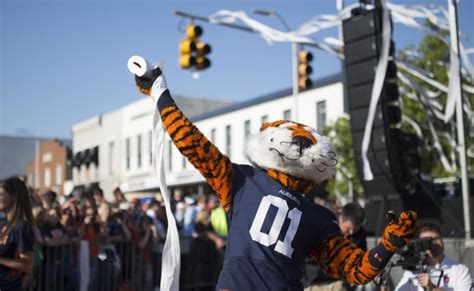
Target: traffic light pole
[(294, 50), (460, 124)]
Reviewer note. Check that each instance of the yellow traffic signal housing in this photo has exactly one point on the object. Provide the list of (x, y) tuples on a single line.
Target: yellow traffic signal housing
[(187, 46), (304, 69), (193, 32), (202, 62), (203, 48), (193, 53), (187, 61)]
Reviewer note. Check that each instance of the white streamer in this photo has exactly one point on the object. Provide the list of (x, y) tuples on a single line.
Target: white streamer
[(266, 32), (171, 258), (414, 125), (376, 90), (423, 98), (414, 72)]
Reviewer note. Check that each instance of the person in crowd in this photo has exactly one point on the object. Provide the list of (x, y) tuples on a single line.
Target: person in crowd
[(442, 273), (178, 206), (141, 228), (52, 231), (49, 200), (218, 217), (119, 198), (193, 206), (350, 222), (16, 237), (203, 252), (98, 195)]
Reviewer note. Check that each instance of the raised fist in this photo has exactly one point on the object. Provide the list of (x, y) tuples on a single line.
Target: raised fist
[(399, 231), (149, 78)]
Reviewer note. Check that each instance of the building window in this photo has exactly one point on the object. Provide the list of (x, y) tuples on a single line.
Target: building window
[(228, 141), (150, 147), (139, 151), (127, 153), (59, 175), (170, 155), (247, 129), (111, 156), (264, 118), (320, 115), (213, 135), (287, 114), (47, 177)]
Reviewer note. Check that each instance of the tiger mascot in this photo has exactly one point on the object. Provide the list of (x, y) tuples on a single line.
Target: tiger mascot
[(273, 226)]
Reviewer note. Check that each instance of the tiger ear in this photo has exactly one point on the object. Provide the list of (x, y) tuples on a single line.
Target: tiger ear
[(273, 124), (265, 125)]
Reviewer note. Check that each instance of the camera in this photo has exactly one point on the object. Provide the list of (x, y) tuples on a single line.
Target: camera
[(412, 255)]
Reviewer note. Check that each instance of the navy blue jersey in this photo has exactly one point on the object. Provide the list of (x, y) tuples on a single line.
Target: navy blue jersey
[(271, 231)]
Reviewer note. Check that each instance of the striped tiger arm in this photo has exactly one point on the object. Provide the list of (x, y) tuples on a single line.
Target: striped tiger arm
[(214, 166), (341, 258)]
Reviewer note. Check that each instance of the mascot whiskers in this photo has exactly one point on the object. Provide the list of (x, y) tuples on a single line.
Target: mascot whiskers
[(273, 226)]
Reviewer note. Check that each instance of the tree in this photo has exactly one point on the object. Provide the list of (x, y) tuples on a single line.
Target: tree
[(339, 133), (432, 55)]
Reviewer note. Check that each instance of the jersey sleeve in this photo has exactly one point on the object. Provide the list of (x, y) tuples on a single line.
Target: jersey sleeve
[(214, 166), (341, 258)]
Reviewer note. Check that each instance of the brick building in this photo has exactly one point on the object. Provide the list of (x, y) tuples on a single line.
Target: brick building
[(53, 167)]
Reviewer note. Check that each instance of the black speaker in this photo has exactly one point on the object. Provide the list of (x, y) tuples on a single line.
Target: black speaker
[(362, 44)]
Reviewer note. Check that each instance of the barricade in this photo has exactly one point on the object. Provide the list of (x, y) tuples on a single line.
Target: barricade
[(123, 266)]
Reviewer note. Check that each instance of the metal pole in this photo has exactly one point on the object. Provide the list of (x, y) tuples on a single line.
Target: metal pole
[(231, 25), (460, 124)]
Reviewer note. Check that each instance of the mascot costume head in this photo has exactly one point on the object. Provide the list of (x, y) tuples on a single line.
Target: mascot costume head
[(295, 154)]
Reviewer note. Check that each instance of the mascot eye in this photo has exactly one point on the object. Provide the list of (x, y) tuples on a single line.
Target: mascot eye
[(271, 139), (312, 160)]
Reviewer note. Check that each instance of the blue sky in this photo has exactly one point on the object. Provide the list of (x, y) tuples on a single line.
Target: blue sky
[(65, 61)]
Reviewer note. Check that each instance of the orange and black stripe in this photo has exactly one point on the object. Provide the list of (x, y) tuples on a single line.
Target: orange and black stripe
[(341, 258), (290, 182), (214, 166)]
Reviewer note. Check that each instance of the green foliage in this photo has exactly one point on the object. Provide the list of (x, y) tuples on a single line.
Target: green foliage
[(339, 133), (433, 56)]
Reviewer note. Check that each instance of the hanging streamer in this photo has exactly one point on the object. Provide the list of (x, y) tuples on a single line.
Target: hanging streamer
[(414, 125), (266, 32), (171, 254), (423, 98), (419, 74), (171, 258), (376, 90)]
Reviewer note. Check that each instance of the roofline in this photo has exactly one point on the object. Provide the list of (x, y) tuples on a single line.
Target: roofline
[(328, 80)]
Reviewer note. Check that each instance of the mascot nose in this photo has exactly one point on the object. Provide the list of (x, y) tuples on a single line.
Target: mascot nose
[(302, 142)]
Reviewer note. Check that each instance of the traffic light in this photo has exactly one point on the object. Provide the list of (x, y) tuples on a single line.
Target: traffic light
[(193, 52), (304, 69)]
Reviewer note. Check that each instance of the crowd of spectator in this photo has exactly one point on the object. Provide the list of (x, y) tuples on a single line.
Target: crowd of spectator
[(91, 234)]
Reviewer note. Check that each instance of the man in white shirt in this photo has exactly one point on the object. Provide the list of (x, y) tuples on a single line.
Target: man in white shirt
[(442, 273)]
